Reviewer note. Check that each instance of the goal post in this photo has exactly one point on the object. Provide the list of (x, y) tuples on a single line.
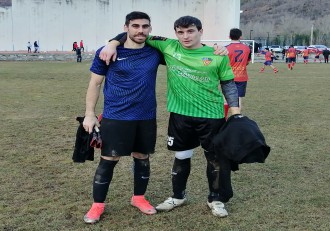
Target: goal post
[(250, 43)]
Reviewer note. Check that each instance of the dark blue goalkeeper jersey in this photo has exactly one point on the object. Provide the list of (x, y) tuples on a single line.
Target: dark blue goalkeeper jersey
[(129, 88)]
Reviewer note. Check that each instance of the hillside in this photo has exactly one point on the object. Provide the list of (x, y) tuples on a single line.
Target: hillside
[(286, 22)]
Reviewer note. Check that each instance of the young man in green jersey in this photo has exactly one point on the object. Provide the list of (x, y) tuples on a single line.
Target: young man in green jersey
[(196, 109)]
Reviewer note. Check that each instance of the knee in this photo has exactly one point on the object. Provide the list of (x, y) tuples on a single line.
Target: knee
[(104, 170), (142, 163), (139, 155), (112, 158), (184, 154), (210, 156)]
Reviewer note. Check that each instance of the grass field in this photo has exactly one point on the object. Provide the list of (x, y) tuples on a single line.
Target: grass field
[(42, 189)]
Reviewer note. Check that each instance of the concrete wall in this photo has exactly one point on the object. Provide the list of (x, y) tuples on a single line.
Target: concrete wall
[(56, 24), (46, 56)]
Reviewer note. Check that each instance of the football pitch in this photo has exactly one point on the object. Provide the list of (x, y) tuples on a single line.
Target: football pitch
[(42, 189)]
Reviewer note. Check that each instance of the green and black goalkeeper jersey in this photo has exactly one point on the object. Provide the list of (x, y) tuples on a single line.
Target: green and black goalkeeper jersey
[(193, 77)]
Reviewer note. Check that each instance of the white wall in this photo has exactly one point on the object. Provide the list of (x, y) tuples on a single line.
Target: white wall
[(56, 24)]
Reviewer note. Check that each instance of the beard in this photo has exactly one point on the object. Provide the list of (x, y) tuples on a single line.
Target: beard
[(139, 39)]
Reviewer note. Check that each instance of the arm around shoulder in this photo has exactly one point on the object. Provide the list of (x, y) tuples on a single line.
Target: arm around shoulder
[(109, 51)]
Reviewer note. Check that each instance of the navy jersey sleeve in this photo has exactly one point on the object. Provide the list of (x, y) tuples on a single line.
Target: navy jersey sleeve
[(99, 67)]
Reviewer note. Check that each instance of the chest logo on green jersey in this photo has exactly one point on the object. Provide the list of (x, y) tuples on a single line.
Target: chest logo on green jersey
[(207, 61)]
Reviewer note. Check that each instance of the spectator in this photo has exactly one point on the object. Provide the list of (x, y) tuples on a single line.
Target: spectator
[(29, 47), (74, 46), (36, 47), (78, 52), (82, 46), (326, 53)]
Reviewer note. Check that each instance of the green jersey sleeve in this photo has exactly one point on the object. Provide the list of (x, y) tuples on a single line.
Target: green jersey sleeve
[(159, 42)]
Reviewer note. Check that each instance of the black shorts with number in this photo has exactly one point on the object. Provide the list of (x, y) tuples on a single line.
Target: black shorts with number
[(121, 137), (187, 132)]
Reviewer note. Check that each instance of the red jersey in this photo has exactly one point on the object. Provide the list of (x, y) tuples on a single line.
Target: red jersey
[(268, 56), (305, 52), (239, 55), (291, 52)]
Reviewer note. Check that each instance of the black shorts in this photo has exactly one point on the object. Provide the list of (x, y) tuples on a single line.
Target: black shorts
[(121, 137), (186, 132)]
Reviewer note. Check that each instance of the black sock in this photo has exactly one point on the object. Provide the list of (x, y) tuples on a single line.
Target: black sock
[(141, 175), (213, 174), (219, 178), (180, 174), (102, 179)]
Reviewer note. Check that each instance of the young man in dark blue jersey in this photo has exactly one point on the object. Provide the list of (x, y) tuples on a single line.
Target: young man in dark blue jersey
[(128, 126)]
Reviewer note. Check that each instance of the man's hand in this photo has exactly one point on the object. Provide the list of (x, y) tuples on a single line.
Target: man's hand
[(220, 50), (89, 122), (109, 52)]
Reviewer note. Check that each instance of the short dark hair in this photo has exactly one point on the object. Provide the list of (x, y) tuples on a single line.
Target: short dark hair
[(187, 21), (235, 34), (136, 15), (267, 48)]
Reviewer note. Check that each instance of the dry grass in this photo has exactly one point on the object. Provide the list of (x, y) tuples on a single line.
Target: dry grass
[(41, 189)]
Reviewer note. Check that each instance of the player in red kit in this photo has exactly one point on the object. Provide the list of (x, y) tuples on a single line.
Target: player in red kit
[(240, 56), (305, 54), (291, 53), (317, 55), (268, 61)]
